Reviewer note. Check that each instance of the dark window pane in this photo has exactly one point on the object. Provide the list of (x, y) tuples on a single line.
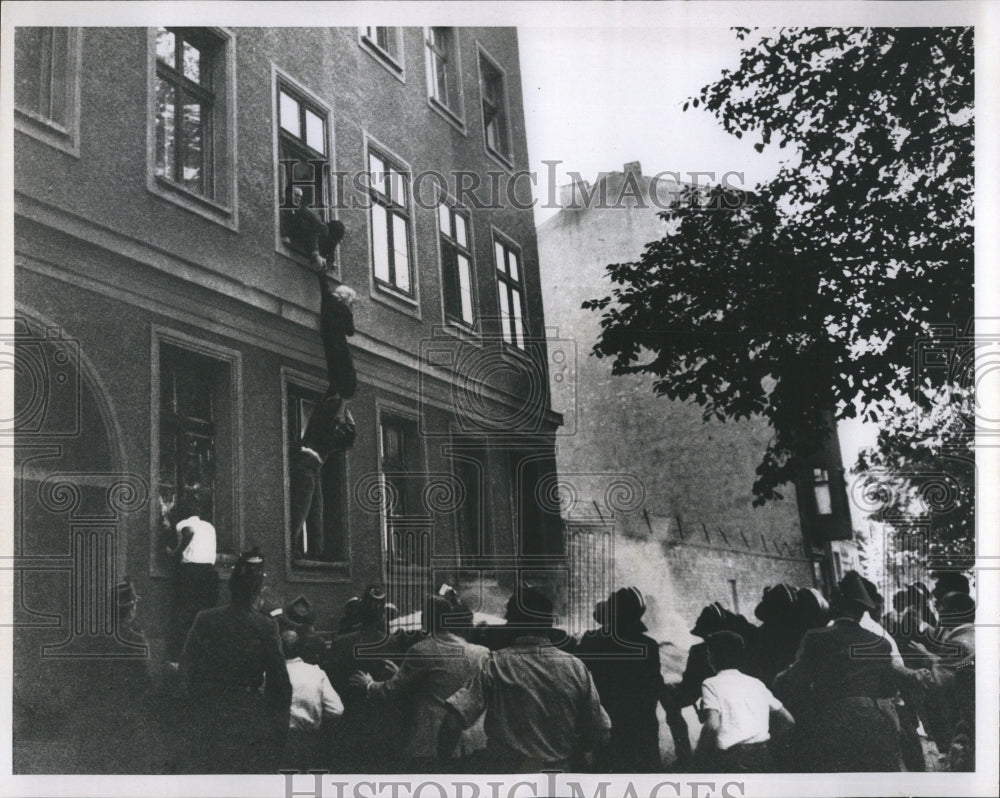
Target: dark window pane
[(166, 146), (193, 167)]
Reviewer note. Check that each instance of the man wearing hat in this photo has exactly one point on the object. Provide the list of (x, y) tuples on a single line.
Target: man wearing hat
[(434, 668), (713, 618), (542, 709), (369, 736), (841, 687), (299, 616), (235, 677), (625, 665)]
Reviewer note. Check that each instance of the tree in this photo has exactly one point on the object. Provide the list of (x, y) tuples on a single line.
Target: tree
[(919, 478), (809, 293)]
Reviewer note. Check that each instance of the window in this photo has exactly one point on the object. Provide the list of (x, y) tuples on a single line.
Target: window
[(386, 45), (304, 166), (443, 73), (470, 467), (329, 544), (495, 115), (821, 492), (46, 83), (390, 225), (456, 266), (838, 566), (191, 148), (734, 596), (402, 475), (195, 434), (510, 287)]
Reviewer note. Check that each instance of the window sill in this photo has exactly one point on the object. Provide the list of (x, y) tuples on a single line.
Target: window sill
[(399, 302), (213, 211), (47, 132), (448, 115), (503, 160), (304, 262), (462, 332), (317, 571), (388, 62)]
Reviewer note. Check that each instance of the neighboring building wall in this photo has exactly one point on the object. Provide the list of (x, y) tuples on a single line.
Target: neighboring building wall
[(692, 510), (128, 268)]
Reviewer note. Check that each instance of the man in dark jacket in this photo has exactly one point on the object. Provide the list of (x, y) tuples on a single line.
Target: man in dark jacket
[(840, 690), (236, 682), (625, 665), (330, 428)]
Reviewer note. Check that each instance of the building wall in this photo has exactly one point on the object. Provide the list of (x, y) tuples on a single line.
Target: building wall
[(691, 504), (115, 264)]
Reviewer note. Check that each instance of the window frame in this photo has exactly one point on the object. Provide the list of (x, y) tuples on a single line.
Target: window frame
[(309, 99), (454, 116), (163, 336), (383, 410), (472, 327), (393, 62), (222, 206), (503, 278), (332, 571), (387, 292), (505, 159), (28, 121)]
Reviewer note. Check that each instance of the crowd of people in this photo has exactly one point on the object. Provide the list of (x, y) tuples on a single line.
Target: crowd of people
[(256, 689), (814, 687)]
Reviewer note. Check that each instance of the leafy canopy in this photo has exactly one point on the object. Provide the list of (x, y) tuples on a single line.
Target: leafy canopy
[(811, 294)]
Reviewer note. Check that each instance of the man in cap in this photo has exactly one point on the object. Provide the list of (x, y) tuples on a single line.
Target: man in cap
[(542, 709), (236, 680), (841, 687), (625, 665), (434, 668)]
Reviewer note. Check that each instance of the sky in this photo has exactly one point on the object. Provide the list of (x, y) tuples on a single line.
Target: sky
[(597, 98)]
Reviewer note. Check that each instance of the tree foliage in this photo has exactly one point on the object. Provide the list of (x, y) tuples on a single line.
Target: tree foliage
[(809, 293), (919, 478)]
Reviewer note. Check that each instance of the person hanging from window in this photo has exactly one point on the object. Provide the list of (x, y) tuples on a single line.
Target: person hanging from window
[(331, 427), (303, 230), (196, 583)]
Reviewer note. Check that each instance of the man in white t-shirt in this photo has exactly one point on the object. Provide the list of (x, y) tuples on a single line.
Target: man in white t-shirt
[(314, 704), (736, 711), (196, 583)]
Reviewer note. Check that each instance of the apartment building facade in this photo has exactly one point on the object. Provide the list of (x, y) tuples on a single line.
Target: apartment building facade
[(167, 341), (686, 531)]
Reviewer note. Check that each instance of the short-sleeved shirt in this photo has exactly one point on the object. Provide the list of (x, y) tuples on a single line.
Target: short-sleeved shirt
[(313, 697), (744, 705), (201, 549), (540, 702)]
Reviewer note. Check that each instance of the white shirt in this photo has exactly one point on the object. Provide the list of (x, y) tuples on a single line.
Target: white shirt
[(744, 705), (201, 549), (313, 697)]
